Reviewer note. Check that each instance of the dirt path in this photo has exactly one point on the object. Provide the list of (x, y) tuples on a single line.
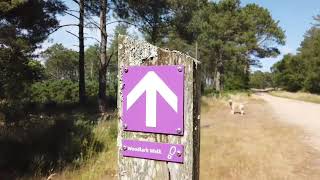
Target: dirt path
[(303, 114), (257, 145)]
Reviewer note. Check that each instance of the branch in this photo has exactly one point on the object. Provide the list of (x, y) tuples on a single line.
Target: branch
[(97, 26), (92, 38), (71, 10), (109, 59), (121, 21), (72, 34), (263, 40), (75, 1), (72, 15), (66, 25), (92, 23)]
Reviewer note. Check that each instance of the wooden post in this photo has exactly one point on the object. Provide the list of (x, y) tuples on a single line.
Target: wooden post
[(137, 53)]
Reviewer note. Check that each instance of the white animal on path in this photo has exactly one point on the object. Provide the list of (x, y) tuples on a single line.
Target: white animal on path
[(236, 106)]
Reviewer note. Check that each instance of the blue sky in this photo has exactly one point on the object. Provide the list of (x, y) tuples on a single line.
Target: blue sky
[(295, 18)]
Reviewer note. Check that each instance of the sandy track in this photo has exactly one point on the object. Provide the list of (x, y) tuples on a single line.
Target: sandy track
[(303, 114)]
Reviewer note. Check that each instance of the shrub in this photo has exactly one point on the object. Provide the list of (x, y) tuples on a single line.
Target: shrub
[(53, 92), (61, 91), (50, 143), (312, 83)]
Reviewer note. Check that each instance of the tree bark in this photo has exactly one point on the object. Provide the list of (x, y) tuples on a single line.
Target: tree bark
[(219, 76), (217, 80), (247, 74), (103, 58), (82, 90)]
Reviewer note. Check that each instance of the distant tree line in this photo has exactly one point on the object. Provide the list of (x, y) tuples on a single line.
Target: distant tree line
[(299, 72), (261, 80)]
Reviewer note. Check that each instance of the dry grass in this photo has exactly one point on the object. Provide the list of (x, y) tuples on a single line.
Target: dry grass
[(298, 96), (101, 166), (254, 146), (233, 147)]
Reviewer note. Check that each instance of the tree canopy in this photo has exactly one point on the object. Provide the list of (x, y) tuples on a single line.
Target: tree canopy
[(61, 63), (24, 25), (232, 37), (301, 71), (152, 17)]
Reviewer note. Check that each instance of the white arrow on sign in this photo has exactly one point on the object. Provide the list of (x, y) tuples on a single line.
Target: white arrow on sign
[(151, 83)]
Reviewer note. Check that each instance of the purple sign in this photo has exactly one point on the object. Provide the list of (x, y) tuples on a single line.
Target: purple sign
[(152, 150), (153, 99)]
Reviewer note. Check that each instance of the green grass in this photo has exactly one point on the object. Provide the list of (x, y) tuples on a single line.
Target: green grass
[(302, 96)]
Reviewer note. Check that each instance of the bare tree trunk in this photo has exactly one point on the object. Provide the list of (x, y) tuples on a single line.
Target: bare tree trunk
[(247, 74), (82, 90), (219, 81), (103, 57)]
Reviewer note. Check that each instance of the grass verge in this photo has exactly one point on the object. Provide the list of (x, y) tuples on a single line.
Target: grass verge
[(254, 146), (65, 146), (97, 166), (298, 96)]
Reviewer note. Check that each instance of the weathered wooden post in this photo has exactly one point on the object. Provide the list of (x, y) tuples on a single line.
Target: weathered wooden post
[(159, 112)]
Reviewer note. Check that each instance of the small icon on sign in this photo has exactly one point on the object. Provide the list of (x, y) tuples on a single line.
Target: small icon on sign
[(172, 152)]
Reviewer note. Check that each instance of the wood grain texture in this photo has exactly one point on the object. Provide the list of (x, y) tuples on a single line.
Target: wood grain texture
[(135, 53)]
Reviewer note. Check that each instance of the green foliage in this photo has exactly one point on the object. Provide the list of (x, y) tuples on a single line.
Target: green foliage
[(59, 91), (63, 92), (289, 73), (45, 144), (235, 82), (151, 16), (235, 77), (312, 82), (36, 70), (231, 37), (24, 24), (61, 63), (227, 37), (301, 71), (15, 74), (92, 59), (261, 80)]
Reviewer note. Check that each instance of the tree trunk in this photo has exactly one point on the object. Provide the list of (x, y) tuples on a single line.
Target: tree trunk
[(137, 53), (217, 80), (103, 58), (82, 90), (247, 74), (219, 76)]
